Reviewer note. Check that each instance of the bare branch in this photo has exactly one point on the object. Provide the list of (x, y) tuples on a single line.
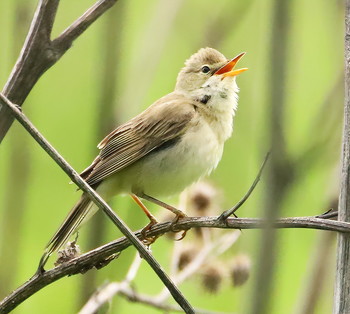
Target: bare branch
[(101, 297), (209, 252), (32, 62), (39, 53), (133, 296), (99, 202), (99, 256), (66, 38)]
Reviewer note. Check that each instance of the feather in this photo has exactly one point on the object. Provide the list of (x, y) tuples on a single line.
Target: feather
[(165, 120)]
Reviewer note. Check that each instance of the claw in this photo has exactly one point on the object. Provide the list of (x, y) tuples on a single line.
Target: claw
[(174, 222), (148, 240), (184, 232)]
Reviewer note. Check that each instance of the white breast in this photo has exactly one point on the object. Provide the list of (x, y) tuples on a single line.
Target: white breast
[(171, 170), (196, 154)]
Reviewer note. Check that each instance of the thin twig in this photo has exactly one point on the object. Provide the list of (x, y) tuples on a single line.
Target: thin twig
[(209, 252), (328, 214), (103, 296), (97, 256), (107, 292), (232, 210), (133, 296), (99, 202)]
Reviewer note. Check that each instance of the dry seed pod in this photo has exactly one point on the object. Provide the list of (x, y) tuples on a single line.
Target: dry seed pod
[(202, 198), (186, 256), (212, 278), (240, 270)]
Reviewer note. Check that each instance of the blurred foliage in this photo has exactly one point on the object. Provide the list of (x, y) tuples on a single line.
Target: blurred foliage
[(154, 39)]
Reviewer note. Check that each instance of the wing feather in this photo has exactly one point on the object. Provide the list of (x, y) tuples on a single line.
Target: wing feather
[(163, 121)]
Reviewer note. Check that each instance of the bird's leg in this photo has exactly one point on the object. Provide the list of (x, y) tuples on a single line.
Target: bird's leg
[(179, 214), (153, 220)]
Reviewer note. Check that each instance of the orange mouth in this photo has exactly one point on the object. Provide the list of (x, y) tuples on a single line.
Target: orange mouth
[(228, 68)]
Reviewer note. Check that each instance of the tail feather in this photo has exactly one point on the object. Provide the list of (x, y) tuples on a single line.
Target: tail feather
[(81, 211)]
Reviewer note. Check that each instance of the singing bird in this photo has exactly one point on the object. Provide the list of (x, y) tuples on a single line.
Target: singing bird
[(173, 143)]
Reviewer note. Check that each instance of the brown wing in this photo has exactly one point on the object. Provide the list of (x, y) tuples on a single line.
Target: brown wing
[(165, 120)]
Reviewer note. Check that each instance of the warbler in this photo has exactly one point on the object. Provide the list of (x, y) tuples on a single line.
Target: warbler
[(173, 143)]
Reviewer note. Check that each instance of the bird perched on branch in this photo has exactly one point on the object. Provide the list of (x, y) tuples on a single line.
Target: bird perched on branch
[(173, 143)]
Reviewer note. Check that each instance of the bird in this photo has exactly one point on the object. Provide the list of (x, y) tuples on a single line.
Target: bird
[(172, 144)]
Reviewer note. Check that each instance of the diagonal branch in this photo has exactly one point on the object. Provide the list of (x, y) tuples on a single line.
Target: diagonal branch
[(66, 38), (39, 53), (99, 202), (233, 209), (102, 255)]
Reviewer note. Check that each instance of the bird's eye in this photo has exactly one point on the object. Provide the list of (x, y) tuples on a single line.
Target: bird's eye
[(205, 69)]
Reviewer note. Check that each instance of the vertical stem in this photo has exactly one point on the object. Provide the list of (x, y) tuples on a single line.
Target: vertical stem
[(312, 288), (342, 284), (148, 57), (279, 172)]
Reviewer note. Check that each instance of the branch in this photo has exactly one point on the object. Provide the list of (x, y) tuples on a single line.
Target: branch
[(210, 251), (65, 39), (342, 282), (39, 53), (101, 297), (32, 61), (102, 255), (232, 210), (126, 288), (99, 202)]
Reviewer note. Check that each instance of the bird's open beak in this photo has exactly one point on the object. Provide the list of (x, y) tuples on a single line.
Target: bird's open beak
[(228, 68)]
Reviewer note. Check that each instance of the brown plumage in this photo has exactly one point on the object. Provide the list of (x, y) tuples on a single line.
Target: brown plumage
[(171, 144)]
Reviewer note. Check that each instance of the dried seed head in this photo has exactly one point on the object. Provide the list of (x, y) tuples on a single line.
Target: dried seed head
[(212, 278), (186, 256), (240, 270), (201, 198), (72, 250)]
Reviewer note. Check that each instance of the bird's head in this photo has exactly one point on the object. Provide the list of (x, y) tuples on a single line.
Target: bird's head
[(204, 64)]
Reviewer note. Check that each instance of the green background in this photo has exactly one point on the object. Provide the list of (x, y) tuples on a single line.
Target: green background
[(148, 42)]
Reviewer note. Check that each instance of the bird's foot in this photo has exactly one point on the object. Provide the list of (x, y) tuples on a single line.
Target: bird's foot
[(178, 216), (148, 240)]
